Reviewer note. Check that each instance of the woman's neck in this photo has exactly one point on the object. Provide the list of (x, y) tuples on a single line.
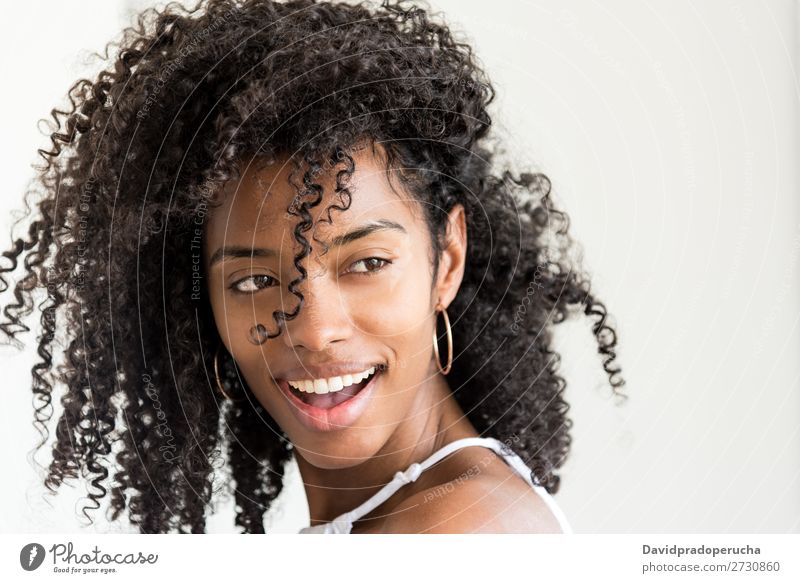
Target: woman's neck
[(435, 420)]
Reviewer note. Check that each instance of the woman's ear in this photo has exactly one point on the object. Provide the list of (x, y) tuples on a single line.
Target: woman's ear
[(453, 257)]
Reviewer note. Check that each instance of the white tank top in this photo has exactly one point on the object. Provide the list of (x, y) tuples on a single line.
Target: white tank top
[(344, 523)]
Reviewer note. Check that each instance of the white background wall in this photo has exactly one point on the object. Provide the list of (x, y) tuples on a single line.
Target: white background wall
[(670, 131)]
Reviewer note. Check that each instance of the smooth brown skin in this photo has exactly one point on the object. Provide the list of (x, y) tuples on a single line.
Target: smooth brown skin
[(385, 316)]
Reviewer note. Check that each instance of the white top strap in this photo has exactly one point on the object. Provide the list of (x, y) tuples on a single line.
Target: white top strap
[(516, 462), (344, 523)]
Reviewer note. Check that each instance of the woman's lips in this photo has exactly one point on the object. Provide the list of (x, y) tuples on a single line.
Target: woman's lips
[(340, 416)]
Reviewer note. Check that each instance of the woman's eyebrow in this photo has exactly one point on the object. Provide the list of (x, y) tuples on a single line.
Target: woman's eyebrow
[(237, 251), (366, 229)]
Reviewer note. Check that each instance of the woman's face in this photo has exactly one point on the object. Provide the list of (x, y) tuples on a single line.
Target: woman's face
[(369, 301)]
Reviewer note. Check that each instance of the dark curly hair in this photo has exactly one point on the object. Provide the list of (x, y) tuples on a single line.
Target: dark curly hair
[(144, 148)]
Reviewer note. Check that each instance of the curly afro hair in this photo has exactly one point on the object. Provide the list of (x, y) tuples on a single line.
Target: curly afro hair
[(142, 150)]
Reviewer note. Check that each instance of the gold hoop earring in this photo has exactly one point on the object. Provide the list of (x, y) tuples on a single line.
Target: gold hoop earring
[(446, 369), (220, 387)]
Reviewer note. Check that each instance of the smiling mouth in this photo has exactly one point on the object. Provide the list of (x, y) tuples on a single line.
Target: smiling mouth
[(333, 399)]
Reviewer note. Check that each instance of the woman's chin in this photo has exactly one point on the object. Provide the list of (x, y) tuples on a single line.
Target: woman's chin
[(338, 455)]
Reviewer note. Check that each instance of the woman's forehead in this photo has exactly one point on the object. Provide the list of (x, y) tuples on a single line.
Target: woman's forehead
[(263, 202)]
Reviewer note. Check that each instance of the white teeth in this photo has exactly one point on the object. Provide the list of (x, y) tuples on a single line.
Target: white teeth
[(320, 386), (330, 385)]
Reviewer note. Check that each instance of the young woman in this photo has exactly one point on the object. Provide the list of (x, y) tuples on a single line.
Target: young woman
[(274, 230)]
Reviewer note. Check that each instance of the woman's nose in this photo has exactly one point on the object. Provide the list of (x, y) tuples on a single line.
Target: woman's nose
[(323, 320)]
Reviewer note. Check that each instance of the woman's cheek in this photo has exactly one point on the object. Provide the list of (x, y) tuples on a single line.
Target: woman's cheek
[(266, 391), (398, 303)]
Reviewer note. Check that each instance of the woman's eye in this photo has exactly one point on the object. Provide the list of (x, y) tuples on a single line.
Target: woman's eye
[(252, 283), (371, 264)]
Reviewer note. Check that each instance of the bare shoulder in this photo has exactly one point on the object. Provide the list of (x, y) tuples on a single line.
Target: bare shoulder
[(497, 502)]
